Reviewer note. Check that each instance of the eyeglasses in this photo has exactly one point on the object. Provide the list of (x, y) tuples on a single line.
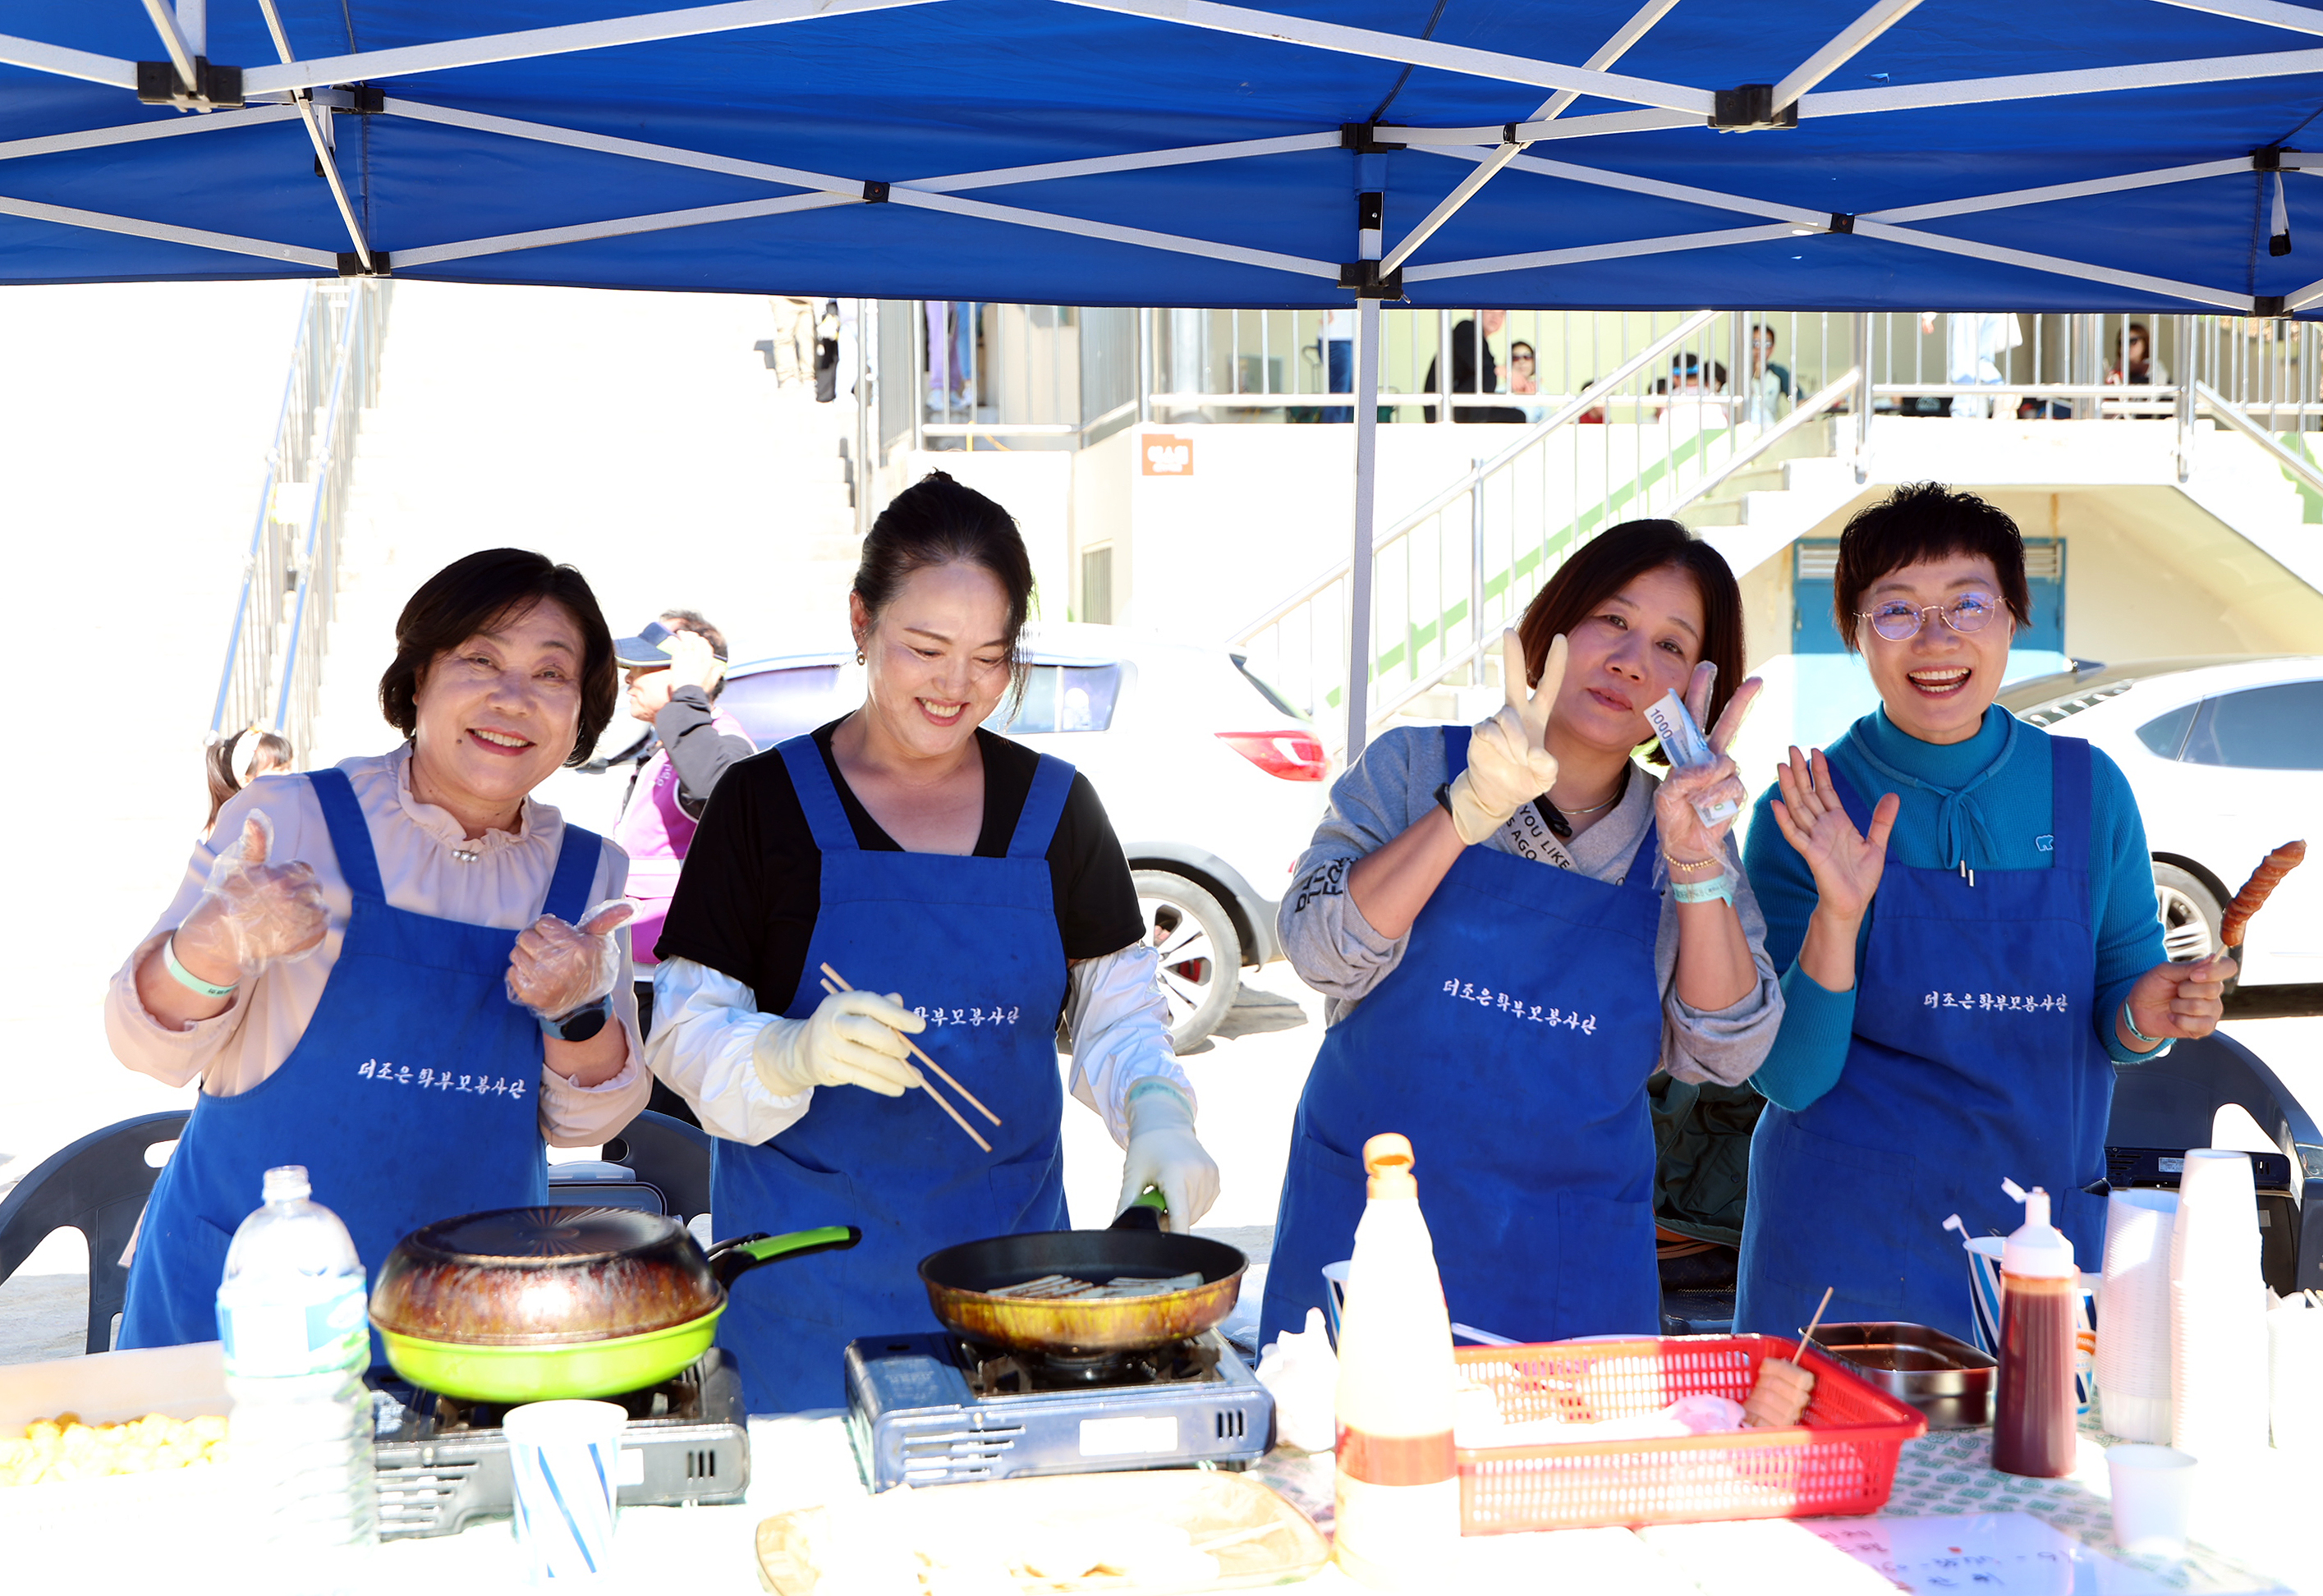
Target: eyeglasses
[(1897, 622)]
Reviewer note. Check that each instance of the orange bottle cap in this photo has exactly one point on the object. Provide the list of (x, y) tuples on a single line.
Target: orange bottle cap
[(1388, 1161)]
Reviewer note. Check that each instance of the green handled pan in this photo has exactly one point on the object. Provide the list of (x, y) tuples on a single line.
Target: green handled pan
[(528, 1304)]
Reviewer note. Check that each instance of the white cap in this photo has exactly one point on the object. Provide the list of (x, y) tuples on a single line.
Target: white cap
[(2037, 1248), (286, 1183)]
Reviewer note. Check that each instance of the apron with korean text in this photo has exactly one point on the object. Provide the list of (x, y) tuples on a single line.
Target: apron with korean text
[(1975, 1058), (1511, 1045), (411, 1097), (973, 945)]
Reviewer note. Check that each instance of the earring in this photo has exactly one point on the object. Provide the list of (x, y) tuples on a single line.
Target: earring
[(859, 656)]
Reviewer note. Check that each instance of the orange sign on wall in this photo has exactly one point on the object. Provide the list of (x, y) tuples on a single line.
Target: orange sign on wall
[(1166, 455)]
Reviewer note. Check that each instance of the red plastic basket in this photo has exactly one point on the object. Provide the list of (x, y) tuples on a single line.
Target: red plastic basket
[(1840, 1458)]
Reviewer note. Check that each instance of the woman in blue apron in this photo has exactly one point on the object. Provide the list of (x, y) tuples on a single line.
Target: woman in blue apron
[(390, 971), (1516, 927), (976, 884), (1957, 1011)]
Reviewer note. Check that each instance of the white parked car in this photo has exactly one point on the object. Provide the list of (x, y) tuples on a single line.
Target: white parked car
[(2226, 758), (1213, 781)]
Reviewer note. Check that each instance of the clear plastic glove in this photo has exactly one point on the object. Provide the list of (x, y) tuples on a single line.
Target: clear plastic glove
[(1164, 1152), (1676, 813), (557, 968), (252, 913), (1508, 765), (853, 1038)]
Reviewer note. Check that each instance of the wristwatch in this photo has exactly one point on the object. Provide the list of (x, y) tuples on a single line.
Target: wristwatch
[(581, 1023)]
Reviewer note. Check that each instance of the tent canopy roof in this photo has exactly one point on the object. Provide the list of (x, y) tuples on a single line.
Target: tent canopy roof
[(1191, 153)]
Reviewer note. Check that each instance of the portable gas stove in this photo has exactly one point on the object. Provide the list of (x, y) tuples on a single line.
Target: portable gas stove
[(443, 1462), (939, 1410)]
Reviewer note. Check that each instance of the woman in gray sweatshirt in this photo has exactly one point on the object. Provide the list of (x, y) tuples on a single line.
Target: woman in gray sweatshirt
[(1515, 926)]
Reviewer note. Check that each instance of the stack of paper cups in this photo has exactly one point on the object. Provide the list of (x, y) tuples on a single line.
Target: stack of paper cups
[(2218, 1311), (2295, 1360), (2134, 1353)]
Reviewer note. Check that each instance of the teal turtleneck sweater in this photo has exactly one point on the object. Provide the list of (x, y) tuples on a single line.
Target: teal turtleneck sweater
[(1985, 801)]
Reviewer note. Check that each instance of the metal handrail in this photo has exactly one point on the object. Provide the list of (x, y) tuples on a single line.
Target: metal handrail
[(2223, 410), (1579, 404)]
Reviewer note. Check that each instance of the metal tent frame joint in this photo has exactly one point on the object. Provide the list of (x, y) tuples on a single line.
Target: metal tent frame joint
[(1841, 222), (214, 89), (874, 191), (1363, 278), (1750, 108), (1363, 138), (2270, 305), (352, 264)]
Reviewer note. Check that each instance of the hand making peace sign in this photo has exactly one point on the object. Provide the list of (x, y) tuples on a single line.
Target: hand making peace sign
[(1509, 761)]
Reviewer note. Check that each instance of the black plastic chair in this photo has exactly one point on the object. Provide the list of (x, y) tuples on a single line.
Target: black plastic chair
[(2173, 1102), (97, 1186), (669, 1155)]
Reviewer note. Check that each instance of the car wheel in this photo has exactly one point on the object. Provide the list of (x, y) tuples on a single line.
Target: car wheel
[(2189, 913), (1201, 956)]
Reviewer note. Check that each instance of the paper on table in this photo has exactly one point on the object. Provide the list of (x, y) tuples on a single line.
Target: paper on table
[(2008, 1555)]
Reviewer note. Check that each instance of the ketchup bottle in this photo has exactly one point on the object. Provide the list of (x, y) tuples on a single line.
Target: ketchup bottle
[(2032, 1412)]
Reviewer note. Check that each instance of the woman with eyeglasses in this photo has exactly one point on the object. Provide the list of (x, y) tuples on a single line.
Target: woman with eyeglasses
[(1962, 905)]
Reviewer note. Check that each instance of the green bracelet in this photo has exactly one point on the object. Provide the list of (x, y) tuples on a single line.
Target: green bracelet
[(1718, 889), (186, 978)]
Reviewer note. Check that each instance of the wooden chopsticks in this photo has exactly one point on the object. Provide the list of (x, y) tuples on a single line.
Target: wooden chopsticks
[(836, 983)]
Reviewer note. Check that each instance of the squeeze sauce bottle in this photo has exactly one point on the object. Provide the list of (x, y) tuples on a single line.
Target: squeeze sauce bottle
[(1398, 1492), (2032, 1413)]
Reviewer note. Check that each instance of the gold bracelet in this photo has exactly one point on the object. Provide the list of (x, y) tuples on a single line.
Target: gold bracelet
[(1678, 864)]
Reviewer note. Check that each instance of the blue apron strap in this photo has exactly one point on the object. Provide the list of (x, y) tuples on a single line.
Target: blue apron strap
[(577, 870), (350, 832), (1045, 806), (826, 817), (1638, 880), (2069, 800), (1456, 751)]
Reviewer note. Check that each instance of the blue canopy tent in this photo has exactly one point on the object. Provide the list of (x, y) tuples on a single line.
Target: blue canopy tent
[(1961, 154)]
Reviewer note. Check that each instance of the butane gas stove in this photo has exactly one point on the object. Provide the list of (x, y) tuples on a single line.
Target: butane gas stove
[(939, 1410), (443, 1462)]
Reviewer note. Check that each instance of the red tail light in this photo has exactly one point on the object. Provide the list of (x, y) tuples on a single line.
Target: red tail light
[(1294, 755)]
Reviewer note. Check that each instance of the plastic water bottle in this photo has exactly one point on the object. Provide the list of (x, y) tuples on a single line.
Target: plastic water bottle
[(291, 1314)]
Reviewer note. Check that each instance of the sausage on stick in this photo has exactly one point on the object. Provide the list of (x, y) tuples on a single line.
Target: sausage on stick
[(2252, 897)]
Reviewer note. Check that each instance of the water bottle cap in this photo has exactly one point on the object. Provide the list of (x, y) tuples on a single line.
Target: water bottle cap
[(286, 1183), (1387, 1160)]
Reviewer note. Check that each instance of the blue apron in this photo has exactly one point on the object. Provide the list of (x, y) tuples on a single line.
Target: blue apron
[(411, 1097), (972, 943), (1974, 1058), (1511, 1045)]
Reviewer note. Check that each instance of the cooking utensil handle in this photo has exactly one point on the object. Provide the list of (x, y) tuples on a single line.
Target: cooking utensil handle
[(1146, 1213), (731, 1259)]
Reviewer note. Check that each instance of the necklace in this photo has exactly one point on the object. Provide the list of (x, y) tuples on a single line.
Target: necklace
[(1593, 808)]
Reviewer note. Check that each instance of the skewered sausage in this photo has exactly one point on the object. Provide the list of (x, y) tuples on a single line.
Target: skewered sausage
[(2252, 897)]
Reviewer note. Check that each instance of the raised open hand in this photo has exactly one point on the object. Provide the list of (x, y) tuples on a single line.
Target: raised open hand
[(1847, 863), (252, 913), (1684, 794), (1509, 763), (556, 968)]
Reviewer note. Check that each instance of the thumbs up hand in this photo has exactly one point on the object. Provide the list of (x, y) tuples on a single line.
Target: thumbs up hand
[(252, 913), (556, 969)]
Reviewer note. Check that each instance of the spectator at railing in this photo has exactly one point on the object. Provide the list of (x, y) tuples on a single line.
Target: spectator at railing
[(1691, 386), (1524, 378), (1975, 345), (1473, 369), (1767, 390), (232, 763), (2143, 369)]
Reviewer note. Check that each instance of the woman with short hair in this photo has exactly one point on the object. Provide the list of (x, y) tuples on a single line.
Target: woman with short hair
[(1514, 927), (390, 971), (1955, 1011)]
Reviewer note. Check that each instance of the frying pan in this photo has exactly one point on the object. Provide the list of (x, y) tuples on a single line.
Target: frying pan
[(961, 1282), (526, 1304)]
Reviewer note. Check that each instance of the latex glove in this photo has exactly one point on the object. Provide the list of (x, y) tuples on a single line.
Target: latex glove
[(252, 913), (853, 1038), (557, 968), (1164, 1152), (1508, 765)]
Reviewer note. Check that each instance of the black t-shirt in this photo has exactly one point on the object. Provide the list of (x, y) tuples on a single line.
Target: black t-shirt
[(746, 902)]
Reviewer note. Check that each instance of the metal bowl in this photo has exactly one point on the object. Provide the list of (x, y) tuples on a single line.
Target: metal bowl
[(1947, 1380)]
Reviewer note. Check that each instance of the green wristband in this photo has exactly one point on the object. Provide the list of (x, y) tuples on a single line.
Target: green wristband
[(1718, 889), (186, 978)]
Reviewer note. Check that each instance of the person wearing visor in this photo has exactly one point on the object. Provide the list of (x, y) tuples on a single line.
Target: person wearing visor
[(674, 669), (401, 971), (1954, 1012), (907, 846)]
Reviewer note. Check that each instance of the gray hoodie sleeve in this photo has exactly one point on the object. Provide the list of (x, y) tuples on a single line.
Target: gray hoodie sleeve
[(1337, 951)]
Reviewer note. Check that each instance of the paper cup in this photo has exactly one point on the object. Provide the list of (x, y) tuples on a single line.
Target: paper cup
[(1334, 1293), (564, 1458), (2153, 1497), (1984, 1289)]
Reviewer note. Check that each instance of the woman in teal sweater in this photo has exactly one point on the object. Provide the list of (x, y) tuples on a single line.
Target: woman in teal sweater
[(1964, 962)]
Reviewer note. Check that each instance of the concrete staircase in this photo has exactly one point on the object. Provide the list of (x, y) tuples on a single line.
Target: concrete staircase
[(1797, 484), (640, 437)]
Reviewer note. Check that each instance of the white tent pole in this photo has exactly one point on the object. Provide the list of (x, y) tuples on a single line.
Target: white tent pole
[(98, 137), (619, 227), (67, 63), (1597, 251), (2034, 86), (181, 50), (319, 133), (2298, 18), (1835, 55), (99, 221), (193, 22), (1359, 573)]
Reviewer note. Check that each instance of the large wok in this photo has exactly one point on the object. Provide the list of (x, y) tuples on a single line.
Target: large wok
[(526, 1304), (961, 1282)]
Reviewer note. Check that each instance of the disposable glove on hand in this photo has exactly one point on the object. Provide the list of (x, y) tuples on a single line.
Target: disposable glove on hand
[(557, 968), (853, 1038), (253, 913), (1508, 765), (1164, 1152)]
